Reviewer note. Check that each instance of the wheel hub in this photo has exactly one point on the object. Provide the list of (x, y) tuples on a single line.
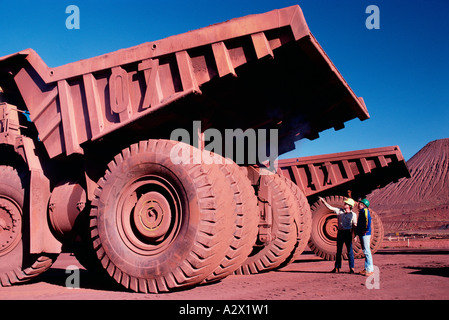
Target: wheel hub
[(152, 216), (331, 228), (327, 227), (149, 215), (10, 225)]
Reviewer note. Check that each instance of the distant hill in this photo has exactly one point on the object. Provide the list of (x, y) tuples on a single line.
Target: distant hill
[(421, 202)]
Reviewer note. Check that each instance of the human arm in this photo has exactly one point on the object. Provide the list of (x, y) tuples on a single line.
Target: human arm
[(354, 220), (354, 224), (328, 205)]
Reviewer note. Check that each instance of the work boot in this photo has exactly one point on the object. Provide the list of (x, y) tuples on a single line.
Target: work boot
[(351, 270), (363, 272), (335, 270)]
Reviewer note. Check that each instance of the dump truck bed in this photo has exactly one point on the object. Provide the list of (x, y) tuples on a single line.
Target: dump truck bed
[(360, 171), (260, 71)]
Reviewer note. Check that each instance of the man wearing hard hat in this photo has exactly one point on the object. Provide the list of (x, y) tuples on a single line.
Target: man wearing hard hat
[(364, 233), (347, 220)]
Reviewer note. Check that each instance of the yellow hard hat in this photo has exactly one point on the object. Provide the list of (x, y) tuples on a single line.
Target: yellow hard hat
[(350, 202)]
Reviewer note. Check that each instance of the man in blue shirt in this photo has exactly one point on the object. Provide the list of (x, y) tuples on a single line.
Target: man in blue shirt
[(364, 233)]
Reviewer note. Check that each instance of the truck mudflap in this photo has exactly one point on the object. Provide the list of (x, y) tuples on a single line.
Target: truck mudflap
[(40, 237), (260, 71)]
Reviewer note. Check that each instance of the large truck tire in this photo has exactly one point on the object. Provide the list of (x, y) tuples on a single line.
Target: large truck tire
[(303, 222), (160, 225), (269, 256), (246, 221), (16, 265), (378, 232)]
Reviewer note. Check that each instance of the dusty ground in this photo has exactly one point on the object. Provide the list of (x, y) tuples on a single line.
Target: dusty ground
[(403, 273)]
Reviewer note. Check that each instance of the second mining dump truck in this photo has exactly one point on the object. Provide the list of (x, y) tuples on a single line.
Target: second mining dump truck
[(89, 165), (334, 177)]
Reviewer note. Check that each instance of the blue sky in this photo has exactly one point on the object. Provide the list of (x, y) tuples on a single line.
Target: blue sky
[(401, 70)]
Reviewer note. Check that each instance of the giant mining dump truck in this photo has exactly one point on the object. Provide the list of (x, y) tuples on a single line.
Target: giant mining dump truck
[(334, 177), (89, 164)]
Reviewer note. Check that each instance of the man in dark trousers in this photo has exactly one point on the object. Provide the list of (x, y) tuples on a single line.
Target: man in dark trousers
[(364, 233), (347, 220)]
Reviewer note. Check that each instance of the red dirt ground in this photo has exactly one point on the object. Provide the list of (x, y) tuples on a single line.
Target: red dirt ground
[(403, 273)]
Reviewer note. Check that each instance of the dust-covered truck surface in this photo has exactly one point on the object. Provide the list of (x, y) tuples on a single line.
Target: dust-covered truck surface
[(99, 157)]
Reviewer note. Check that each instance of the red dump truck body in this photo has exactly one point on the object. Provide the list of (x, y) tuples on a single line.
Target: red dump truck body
[(360, 171), (264, 70), (94, 173)]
